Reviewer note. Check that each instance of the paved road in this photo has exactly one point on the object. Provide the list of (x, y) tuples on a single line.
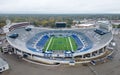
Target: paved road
[(20, 67)]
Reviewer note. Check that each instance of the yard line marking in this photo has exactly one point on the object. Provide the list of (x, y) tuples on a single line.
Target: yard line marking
[(70, 43), (52, 44), (66, 42), (49, 44)]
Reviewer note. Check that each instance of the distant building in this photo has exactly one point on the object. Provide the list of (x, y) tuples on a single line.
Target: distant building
[(76, 21), (84, 25), (105, 25), (3, 65), (115, 22)]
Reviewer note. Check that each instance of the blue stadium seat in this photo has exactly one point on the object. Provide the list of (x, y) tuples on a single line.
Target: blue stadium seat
[(30, 43), (42, 42), (78, 42), (89, 44)]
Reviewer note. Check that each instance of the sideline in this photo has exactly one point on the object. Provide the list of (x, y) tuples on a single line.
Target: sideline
[(70, 43), (49, 44)]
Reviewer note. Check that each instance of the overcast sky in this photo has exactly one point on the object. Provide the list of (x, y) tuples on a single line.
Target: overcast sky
[(59, 6)]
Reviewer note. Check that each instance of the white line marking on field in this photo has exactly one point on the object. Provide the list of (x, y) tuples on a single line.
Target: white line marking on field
[(49, 43), (70, 43)]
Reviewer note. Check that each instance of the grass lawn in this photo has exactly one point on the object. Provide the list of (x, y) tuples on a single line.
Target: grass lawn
[(60, 43)]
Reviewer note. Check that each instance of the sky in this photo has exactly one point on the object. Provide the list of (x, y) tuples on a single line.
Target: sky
[(59, 6)]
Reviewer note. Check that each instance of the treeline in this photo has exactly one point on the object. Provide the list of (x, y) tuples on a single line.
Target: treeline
[(2, 21), (48, 20), (45, 21)]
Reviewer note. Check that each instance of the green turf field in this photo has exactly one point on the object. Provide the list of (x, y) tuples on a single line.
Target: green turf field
[(60, 43)]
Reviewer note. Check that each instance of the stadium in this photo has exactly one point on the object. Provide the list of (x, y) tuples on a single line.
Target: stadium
[(60, 45)]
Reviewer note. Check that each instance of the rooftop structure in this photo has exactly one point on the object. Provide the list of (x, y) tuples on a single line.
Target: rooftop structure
[(84, 25), (3, 65)]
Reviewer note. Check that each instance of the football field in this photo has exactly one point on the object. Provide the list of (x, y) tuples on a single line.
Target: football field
[(60, 43)]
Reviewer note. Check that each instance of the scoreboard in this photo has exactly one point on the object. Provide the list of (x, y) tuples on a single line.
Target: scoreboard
[(60, 24)]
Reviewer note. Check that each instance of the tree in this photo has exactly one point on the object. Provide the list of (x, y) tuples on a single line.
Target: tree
[(2, 24), (68, 25)]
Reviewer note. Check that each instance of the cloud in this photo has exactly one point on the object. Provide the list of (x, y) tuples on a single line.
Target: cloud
[(59, 6)]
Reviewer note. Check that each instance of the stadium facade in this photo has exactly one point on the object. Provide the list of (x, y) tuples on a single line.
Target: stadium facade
[(43, 44)]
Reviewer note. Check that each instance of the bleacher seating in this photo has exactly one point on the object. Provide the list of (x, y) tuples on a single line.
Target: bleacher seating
[(42, 42), (78, 42), (88, 43), (30, 44), (37, 42)]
